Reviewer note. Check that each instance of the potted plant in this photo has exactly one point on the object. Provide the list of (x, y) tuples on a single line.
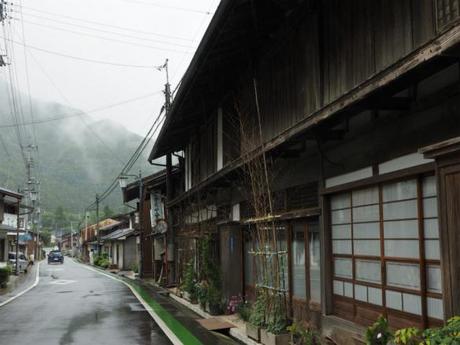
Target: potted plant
[(202, 294), (276, 332), (301, 335), (379, 333), (190, 283), (256, 318), (5, 273), (214, 300)]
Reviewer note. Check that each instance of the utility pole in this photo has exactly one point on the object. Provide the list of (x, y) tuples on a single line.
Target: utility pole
[(97, 224), (141, 234)]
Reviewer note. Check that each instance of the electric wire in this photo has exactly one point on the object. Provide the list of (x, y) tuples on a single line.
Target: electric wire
[(79, 113), (85, 27), (176, 8), (107, 25), (106, 38), (79, 58)]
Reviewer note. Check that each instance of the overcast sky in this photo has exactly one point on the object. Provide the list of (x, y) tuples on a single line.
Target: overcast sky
[(173, 29)]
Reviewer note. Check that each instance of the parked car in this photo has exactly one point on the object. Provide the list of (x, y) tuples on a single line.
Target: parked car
[(55, 256), (22, 261)]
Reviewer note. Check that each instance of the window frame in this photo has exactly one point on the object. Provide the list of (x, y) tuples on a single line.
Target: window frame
[(422, 262)]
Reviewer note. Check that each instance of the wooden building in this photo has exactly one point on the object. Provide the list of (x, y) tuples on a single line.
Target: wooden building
[(356, 106)]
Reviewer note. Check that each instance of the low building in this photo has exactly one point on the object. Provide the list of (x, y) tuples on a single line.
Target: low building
[(9, 217)]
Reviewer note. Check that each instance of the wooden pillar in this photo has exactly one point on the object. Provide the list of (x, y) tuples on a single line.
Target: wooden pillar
[(146, 241), (447, 156)]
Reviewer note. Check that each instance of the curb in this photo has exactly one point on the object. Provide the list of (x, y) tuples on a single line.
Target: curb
[(37, 280), (173, 329)]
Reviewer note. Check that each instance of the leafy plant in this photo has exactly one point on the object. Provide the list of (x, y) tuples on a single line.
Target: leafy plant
[(190, 282), (277, 321), (5, 273), (447, 335), (379, 333), (135, 268), (408, 336), (102, 260), (302, 335), (257, 315), (202, 293), (243, 309)]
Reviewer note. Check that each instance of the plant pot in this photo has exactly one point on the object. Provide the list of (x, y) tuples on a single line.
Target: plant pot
[(268, 338), (253, 332), (214, 309)]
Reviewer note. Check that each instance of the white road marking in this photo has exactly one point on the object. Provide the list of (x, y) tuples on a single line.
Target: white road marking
[(37, 279), (62, 282)]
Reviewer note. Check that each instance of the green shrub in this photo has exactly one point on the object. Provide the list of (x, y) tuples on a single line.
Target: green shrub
[(190, 281), (243, 310), (5, 273), (379, 333), (257, 314), (302, 335)]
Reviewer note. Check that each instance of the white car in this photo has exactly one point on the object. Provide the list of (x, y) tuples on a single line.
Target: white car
[(22, 262)]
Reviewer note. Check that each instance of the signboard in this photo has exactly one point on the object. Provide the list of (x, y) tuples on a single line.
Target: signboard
[(156, 209)]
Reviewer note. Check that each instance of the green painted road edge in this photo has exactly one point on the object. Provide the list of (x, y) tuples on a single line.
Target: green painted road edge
[(175, 327)]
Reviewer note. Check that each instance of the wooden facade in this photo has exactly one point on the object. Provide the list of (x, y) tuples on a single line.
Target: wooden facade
[(344, 94)]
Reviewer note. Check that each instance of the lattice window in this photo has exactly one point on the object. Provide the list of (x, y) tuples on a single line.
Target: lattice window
[(447, 11), (385, 245)]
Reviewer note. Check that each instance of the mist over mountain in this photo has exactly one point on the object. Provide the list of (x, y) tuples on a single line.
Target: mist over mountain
[(78, 156)]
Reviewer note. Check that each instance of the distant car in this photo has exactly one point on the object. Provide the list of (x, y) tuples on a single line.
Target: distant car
[(55, 256), (22, 261)]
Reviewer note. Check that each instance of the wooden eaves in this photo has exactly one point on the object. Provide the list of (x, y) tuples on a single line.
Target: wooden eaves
[(432, 56)]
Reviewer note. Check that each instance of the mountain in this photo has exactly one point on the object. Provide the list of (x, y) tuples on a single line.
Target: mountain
[(78, 156)]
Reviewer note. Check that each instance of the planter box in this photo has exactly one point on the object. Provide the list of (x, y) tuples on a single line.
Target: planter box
[(268, 338), (253, 332)]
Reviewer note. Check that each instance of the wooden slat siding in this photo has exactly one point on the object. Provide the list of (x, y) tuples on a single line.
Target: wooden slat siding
[(363, 59), (393, 31), (424, 21)]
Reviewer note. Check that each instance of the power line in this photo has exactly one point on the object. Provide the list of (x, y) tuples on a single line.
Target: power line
[(63, 22), (80, 113), (135, 156), (79, 58), (177, 8), (107, 25), (106, 38)]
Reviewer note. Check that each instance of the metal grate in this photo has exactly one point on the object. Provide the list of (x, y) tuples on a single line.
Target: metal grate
[(447, 11)]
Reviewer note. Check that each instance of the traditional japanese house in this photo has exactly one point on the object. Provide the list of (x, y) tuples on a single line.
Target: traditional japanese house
[(9, 220), (353, 107), (151, 223)]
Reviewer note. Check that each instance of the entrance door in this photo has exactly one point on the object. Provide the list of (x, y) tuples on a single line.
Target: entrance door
[(305, 268)]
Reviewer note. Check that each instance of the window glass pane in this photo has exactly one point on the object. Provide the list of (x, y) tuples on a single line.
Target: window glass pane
[(341, 231), (433, 277), (430, 207), (435, 308), (298, 263), (315, 266), (403, 275), (432, 249), (412, 304), (366, 230), (340, 201), (361, 293), (366, 213), (401, 228), (368, 271), (402, 248), (393, 299), (374, 295), (429, 186), (341, 246), (343, 268), (338, 287), (366, 247), (399, 190), (431, 228), (348, 289), (341, 216), (366, 196), (400, 210)]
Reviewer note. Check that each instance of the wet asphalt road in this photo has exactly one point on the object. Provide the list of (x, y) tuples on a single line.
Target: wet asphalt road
[(72, 305)]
